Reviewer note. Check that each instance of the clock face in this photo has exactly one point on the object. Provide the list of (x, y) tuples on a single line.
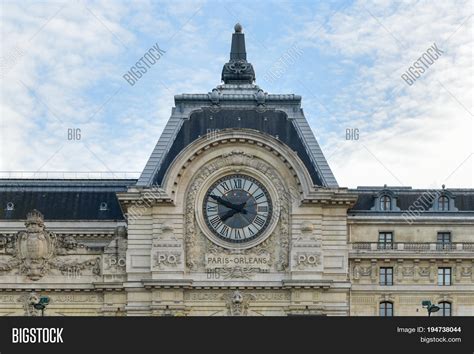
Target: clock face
[(237, 208)]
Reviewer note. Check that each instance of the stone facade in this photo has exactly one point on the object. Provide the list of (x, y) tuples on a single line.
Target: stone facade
[(415, 257)]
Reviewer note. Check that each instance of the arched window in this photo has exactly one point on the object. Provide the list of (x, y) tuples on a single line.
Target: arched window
[(385, 202), (103, 206), (444, 308), (386, 309), (443, 203), (10, 206)]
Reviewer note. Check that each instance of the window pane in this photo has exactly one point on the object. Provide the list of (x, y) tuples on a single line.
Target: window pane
[(447, 279), (385, 240), (443, 203), (386, 309), (445, 308), (385, 203), (444, 276), (386, 276), (444, 237)]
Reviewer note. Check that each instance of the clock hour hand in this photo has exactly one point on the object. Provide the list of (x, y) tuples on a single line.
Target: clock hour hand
[(229, 214), (240, 209)]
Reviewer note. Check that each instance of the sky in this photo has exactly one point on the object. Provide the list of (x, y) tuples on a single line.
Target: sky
[(65, 105)]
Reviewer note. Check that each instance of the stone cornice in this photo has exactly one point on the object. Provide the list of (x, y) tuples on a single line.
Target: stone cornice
[(331, 197)]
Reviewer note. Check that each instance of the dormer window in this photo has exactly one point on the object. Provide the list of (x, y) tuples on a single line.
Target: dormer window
[(10, 206), (443, 203), (385, 202), (103, 206)]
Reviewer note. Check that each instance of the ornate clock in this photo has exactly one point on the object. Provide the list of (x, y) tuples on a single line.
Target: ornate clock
[(237, 208)]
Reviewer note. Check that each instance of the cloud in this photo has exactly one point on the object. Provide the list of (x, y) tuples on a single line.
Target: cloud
[(411, 135), (65, 67)]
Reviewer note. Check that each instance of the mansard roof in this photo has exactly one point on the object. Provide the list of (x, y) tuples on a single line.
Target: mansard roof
[(279, 115), (62, 199), (409, 199)]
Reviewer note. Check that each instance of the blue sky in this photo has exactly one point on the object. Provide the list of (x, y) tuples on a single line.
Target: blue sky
[(63, 62)]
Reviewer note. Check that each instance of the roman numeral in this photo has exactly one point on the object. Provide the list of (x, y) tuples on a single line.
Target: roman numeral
[(237, 234), (262, 209), (225, 186), (215, 221), (224, 231), (211, 208), (259, 221), (238, 183), (257, 197)]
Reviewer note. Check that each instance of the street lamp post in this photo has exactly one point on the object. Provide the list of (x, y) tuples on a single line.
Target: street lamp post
[(430, 307), (41, 304)]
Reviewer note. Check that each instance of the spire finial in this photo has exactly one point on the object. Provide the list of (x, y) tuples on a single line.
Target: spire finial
[(238, 28), (238, 70)]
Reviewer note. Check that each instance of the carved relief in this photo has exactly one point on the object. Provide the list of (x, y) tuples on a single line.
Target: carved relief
[(35, 247), (167, 259), (166, 249), (28, 300), (373, 272), (356, 271), (366, 271), (238, 303), (238, 272), (306, 250), (239, 263), (408, 271), (197, 245), (424, 271), (35, 251), (307, 259), (215, 296), (466, 271), (387, 297), (75, 268), (114, 259)]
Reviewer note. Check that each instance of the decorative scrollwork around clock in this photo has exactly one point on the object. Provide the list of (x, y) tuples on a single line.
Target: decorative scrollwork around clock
[(196, 245)]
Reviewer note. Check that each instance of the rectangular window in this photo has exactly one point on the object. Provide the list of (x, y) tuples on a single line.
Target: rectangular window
[(444, 240), (444, 276), (385, 240), (444, 308), (386, 309), (386, 276)]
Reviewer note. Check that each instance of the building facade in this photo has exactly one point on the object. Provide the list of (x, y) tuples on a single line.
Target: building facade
[(236, 212)]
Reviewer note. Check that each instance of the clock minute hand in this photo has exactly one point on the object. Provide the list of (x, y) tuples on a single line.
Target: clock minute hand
[(225, 202)]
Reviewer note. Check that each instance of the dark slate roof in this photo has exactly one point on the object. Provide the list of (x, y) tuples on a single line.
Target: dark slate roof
[(406, 197), (62, 199), (273, 122)]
